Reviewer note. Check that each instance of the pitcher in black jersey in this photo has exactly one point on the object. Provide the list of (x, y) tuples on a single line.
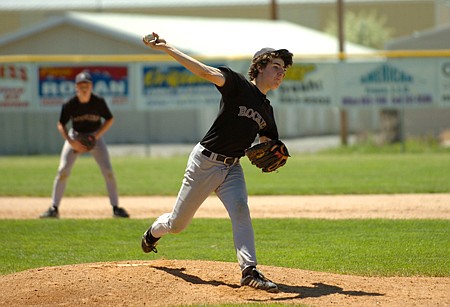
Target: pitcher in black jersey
[(89, 114), (213, 165)]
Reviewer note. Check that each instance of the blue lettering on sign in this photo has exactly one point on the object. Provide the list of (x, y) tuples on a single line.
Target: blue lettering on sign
[(63, 88), (56, 88), (446, 69), (382, 101), (386, 74)]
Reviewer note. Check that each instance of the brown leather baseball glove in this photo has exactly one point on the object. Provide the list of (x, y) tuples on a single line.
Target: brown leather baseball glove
[(87, 140), (268, 156)]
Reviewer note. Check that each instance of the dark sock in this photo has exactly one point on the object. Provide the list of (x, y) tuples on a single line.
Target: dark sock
[(248, 271)]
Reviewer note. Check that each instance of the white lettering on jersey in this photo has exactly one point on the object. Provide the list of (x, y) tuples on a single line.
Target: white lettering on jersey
[(250, 113)]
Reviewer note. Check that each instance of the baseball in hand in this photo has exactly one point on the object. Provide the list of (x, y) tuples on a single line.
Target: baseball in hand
[(148, 38)]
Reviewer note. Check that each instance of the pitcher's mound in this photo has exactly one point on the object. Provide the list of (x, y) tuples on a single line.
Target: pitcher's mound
[(182, 282)]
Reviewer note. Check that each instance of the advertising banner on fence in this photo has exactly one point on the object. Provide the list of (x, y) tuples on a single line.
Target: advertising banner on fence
[(386, 83), (396, 83), (56, 84), (308, 84), (444, 81), (166, 85), (15, 86)]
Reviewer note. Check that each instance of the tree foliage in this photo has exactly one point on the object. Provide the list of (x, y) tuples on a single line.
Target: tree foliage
[(366, 28)]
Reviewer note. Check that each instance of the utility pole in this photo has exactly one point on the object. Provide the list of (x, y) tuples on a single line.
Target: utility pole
[(274, 10), (341, 32)]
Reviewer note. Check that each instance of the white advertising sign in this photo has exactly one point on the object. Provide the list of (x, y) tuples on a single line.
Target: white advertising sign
[(396, 83), (444, 81), (308, 84), (15, 86), (166, 85)]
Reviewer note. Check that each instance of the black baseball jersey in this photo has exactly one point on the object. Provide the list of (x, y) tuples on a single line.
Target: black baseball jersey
[(85, 117), (244, 112)]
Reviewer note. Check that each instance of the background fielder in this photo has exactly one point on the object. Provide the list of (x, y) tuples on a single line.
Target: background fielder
[(85, 110), (213, 165)]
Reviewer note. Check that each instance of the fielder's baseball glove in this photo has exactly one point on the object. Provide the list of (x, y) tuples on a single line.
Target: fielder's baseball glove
[(268, 156), (87, 140)]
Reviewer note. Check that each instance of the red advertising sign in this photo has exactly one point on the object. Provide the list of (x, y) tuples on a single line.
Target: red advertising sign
[(57, 84)]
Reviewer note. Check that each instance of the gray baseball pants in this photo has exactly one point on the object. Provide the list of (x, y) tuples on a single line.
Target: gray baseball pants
[(203, 176), (68, 158)]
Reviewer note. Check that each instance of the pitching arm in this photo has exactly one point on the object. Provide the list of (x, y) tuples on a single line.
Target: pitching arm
[(212, 74)]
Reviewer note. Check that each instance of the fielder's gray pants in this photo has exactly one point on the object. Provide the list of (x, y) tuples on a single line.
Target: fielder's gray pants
[(68, 158), (202, 177)]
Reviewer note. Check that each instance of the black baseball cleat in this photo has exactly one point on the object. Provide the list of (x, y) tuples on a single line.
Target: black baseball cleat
[(120, 212), (51, 213), (149, 242), (253, 278)]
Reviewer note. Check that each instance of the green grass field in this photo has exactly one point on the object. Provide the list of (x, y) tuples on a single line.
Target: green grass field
[(364, 247), (323, 174), (361, 247)]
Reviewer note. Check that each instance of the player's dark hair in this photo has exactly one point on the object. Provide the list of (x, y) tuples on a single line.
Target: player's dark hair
[(262, 61)]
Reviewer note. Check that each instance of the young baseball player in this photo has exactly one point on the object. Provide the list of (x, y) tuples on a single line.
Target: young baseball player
[(85, 110), (213, 165)]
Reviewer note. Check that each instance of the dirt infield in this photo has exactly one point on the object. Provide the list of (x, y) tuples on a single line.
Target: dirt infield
[(173, 282), (405, 206)]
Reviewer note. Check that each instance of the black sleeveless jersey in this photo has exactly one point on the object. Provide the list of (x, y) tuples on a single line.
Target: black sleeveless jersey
[(244, 113), (85, 117)]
